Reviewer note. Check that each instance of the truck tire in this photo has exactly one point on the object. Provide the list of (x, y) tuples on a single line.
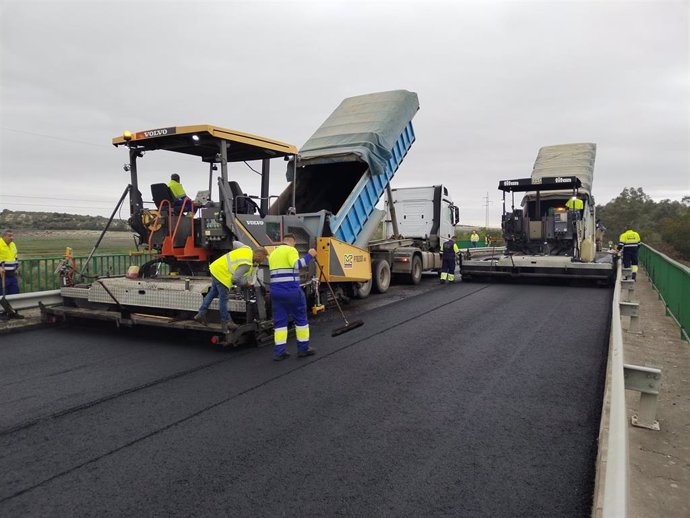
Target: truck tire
[(381, 275), (416, 272), (362, 289)]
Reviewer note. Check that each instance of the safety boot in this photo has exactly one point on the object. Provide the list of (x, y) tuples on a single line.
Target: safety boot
[(201, 318), (228, 325), (308, 352)]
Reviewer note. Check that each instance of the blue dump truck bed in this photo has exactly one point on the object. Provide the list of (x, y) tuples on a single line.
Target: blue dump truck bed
[(347, 163)]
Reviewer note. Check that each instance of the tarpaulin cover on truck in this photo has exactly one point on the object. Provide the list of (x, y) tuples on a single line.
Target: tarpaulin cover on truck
[(362, 129), (567, 160)]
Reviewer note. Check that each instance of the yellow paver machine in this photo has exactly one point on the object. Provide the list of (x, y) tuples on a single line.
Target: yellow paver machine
[(326, 205)]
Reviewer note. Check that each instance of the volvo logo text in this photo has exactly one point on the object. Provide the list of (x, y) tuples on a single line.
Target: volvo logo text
[(156, 133)]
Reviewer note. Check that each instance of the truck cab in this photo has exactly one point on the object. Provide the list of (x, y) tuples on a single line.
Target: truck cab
[(426, 214)]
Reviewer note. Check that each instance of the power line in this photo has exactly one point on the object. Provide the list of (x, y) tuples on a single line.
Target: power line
[(486, 205), (75, 141), (49, 198), (62, 207), (53, 137)]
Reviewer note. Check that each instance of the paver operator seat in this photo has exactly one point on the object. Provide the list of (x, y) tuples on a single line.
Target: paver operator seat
[(160, 193)]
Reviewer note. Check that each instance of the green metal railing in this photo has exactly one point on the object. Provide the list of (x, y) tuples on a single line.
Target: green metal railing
[(672, 281), (38, 274)]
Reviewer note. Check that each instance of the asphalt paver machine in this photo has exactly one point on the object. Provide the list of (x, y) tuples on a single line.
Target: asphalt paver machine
[(551, 235), (334, 184), (184, 238)]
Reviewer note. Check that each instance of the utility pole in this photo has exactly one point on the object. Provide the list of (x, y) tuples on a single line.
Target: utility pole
[(486, 205)]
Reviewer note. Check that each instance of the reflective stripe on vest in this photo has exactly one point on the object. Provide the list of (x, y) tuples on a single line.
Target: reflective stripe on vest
[(284, 264), (629, 239), (284, 275), (8, 256)]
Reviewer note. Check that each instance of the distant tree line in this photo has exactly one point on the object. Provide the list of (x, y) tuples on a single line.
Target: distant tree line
[(664, 225), (56, 221)]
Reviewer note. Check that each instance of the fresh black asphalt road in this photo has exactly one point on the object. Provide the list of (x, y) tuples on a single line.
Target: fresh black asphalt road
[(465, 400)]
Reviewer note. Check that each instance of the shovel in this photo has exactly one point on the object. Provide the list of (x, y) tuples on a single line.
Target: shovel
[(349, 326), (10, 312)]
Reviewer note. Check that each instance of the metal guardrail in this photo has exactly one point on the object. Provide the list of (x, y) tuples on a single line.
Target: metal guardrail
[(616, 481), (31, 300), (484, 250), (466, 244), (672, 281)]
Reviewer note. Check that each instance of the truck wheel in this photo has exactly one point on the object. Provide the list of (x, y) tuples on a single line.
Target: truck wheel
[(381, 275), (362, 289), (416, 273)]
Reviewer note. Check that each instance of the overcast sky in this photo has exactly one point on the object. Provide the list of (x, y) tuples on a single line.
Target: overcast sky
[(496, 81)]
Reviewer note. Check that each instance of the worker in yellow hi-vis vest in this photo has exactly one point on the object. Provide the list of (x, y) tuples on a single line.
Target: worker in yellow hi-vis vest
[(232, 269), (179, 194), (287, 297), (629, 242), (474, 239), (9, 265)]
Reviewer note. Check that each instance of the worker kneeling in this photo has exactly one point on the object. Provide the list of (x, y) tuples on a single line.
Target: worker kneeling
[(288, 298), (232, 269)]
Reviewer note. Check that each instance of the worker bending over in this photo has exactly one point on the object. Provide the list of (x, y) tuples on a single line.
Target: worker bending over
[(232, 269), (448, 255), (288, 298), (629, 242)]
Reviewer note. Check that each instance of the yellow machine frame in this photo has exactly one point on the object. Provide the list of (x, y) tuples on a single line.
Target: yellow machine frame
[(342, 262)]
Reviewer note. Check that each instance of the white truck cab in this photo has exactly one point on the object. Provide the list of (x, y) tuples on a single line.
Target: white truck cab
[(423, 213)]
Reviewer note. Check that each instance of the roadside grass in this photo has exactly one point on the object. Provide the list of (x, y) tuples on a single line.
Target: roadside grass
[(52, 243)]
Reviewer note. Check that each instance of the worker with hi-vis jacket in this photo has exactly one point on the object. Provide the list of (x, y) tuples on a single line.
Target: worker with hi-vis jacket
[(176, 188), (232, 269), (9, 265), (629, 242), (448, 254), (288, 298)]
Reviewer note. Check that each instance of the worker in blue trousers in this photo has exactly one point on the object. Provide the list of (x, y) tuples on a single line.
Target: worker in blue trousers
[(288, 298), (629, 242), (9, 265), (448, 255)]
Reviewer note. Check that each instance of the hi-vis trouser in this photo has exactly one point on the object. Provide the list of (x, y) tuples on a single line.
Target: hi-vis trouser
[(448, 254), (289, 300), (448, 269)]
